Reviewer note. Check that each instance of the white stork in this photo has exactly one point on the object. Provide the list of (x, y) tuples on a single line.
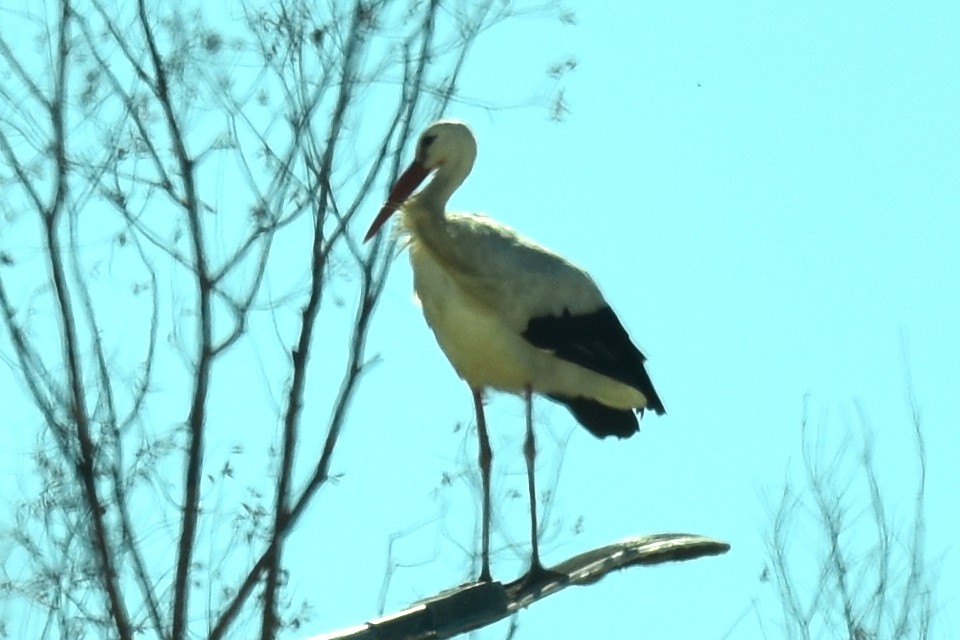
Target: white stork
[(512, 315)]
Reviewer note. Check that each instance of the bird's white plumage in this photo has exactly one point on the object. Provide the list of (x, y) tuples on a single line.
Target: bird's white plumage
[(512, 315), (511, 275), (482, 286), (479, 301)]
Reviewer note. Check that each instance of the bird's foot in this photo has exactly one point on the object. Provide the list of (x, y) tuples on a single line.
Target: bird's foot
[(485, 574), (539, 577)]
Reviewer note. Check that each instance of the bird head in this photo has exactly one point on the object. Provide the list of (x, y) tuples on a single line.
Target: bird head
[(447, 147)]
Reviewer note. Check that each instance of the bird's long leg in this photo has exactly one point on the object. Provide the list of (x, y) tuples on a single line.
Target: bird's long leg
[(537, 576), (530, 453), (486, 457)]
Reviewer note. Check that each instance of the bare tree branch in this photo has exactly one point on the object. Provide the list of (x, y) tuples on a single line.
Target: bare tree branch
[(879, 589), (204, 357)]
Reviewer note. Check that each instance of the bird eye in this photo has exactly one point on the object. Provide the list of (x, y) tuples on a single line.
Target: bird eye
[(426, 141)]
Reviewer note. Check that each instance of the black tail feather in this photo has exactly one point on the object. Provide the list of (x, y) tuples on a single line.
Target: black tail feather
[(599, 419)]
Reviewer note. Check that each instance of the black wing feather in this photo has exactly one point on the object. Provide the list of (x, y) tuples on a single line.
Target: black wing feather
[(595, 341), (599, 419)]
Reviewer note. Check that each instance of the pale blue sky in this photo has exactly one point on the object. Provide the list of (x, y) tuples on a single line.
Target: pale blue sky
[(770, 199)]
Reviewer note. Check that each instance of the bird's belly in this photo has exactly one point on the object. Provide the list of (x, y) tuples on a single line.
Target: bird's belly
[(488, 353), (482, 349), (478, 345)]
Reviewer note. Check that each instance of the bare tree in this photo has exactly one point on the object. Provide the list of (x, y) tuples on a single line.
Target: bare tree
[(172, 177), (843, 565)]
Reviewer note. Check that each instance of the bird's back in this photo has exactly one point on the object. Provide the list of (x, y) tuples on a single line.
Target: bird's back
[(506, 272)]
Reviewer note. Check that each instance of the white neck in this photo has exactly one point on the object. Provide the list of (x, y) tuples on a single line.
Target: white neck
[(448, 177)]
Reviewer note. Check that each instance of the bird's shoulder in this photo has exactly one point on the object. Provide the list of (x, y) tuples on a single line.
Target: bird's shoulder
[(499, 263), (495, 245)]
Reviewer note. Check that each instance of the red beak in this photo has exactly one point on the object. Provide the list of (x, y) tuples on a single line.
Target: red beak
[(406, 183)]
